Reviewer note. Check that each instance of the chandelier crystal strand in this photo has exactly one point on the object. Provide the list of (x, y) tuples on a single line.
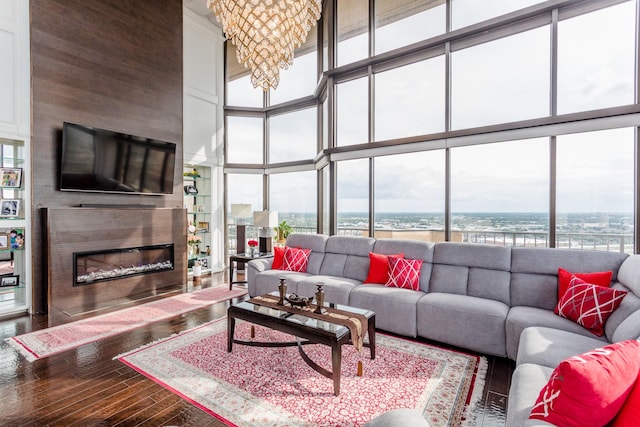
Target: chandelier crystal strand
[(266, 33)]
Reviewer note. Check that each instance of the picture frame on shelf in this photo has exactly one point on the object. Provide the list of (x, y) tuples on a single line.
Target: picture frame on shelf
[(8, 281), (203, 225), (204, 262), (16, 238), (9, 208), (11, 177), (5, 242)]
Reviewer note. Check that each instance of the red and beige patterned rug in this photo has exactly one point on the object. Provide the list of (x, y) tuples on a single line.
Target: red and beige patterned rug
[(274, 387), (45, 342)]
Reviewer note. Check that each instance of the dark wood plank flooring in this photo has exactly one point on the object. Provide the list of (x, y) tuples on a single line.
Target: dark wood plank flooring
[(86, 387)]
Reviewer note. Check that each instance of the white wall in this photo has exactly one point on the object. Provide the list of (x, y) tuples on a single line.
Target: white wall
[(14, 71), (15, 127), (203, 114)]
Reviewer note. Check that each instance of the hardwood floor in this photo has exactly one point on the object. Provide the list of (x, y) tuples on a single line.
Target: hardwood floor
[(86, 387)]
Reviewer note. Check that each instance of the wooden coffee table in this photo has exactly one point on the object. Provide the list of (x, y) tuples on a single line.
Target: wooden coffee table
[(312, 331)]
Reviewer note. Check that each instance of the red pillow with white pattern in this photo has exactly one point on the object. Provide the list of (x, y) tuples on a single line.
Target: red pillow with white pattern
[(601, 278), (296, 259), (589, 305), (404, 273), (588, 390)]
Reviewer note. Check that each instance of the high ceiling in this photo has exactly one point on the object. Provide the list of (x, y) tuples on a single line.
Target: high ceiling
[(200, 8)]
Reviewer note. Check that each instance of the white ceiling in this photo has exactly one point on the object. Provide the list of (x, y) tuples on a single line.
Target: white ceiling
[(200, 7)]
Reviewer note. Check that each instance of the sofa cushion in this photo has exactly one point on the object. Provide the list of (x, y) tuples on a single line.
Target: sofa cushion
[(520, 318), (412, 249), (347, 256), (534, 272), (549, 260), (379, 267), (451, 279), (589, 305), (395, 308), (476, 270), (296, 259), (526, 382), (549, 346), (589, 389), (268, 281), (404, 273), (602, 278), (469, 322), (315, 242), (534, 290), (336, 289), (473, 255)]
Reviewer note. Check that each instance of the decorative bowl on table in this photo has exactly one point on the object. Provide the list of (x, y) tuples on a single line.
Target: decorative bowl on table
[(298, 301)]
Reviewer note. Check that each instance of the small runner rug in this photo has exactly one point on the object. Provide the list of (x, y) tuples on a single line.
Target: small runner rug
[(45, 342), (257, 386)]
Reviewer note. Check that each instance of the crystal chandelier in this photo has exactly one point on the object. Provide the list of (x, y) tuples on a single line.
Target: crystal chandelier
[(266, 33)]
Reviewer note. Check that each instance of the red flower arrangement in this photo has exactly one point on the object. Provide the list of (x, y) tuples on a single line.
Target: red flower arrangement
[(252, 243)]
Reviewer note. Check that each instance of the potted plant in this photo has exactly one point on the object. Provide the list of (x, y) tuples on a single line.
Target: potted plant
[(283, 230)]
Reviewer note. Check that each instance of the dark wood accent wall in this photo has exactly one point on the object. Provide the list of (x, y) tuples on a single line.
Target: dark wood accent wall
[(71, 230), (111, 64)]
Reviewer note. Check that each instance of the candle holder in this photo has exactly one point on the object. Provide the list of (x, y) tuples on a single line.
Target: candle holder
[(282, 288), (319, 299)]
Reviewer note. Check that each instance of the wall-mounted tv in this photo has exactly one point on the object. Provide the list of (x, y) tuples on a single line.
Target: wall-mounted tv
[(99, 160)]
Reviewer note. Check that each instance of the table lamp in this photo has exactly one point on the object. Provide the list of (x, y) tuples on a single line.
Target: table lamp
[(266, 220), (240, 211)]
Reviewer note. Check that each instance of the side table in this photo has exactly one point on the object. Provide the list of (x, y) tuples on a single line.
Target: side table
[(244, 258)]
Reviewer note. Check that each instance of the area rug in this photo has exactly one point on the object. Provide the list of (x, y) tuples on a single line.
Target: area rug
[(255, 386), (45, 342)]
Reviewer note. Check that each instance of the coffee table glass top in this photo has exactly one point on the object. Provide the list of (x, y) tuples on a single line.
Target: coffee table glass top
[(301, 319)]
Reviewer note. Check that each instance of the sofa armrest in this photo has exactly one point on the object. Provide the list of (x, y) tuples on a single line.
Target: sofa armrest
[(259, 265), (256, 266)]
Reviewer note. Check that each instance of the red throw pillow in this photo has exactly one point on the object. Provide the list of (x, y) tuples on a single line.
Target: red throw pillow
[(296, 259), (379, 267), (629, 415), (278, 258), (589, 389), (601, 278), (589, 305), (404, 273)]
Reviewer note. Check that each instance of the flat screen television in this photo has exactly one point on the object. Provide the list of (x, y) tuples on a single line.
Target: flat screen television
[(99, 160)]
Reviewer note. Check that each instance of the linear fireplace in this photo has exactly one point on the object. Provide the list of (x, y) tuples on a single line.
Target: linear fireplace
[(97, 266)]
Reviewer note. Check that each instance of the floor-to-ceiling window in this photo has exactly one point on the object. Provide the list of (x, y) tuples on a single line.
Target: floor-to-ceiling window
[(293, 195), (511, 123), (595, 190), (352, 196), (500, 193), (410, 196)]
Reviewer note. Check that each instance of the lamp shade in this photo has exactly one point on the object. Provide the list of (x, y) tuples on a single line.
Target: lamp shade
[(265, 219), (241, 210)]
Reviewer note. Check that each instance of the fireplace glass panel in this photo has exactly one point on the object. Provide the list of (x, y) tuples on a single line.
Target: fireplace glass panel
[(111, 264)]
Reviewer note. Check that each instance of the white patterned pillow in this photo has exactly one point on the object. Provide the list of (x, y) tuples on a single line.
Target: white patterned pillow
[(404, 273), (296, 259)]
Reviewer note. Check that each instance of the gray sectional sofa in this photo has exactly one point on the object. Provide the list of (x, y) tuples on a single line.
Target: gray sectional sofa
[(489, 299)]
